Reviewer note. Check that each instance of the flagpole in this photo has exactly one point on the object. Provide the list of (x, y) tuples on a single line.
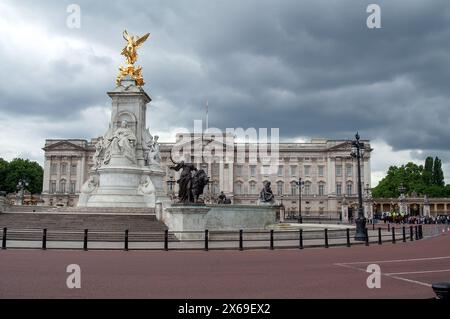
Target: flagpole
[(207, 115)]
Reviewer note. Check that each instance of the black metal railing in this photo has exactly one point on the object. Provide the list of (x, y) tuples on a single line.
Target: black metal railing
[(206, 240)]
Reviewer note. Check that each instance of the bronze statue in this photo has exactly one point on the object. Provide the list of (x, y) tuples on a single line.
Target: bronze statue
[(266, 194), (191, 184)]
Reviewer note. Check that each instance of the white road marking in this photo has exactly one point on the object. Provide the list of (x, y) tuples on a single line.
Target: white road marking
[(416, 272), (395, 275), (411, 281), (392, 261)]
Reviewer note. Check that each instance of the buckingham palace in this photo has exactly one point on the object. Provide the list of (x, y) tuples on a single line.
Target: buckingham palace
[(326, 167)]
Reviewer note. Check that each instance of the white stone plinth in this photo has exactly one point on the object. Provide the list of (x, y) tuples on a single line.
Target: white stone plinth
[(217, 218)]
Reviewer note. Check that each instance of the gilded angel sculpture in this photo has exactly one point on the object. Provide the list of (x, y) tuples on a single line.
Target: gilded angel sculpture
[(130, 53)]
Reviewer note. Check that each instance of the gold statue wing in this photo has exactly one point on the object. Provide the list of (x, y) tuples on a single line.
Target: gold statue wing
[(141, 40), (126, 36)]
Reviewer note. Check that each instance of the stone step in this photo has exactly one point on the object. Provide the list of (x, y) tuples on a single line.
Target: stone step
[(79, 222)]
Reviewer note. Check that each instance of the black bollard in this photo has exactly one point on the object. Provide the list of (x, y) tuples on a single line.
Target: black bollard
[(417, 233), (411, 238), (241, 240), (126, 240), (300, 239), (420, 232), (367, 236), (271, 239), (380, 241), (85, 241), (44, 239), (442, 290), (206, 240), (5, 230), (404, 234), (389, 227), (326, 238), (348, 236), (166, 240), (393, 235)]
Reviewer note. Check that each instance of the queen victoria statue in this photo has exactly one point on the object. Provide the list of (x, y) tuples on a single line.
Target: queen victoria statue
[(122, 142)]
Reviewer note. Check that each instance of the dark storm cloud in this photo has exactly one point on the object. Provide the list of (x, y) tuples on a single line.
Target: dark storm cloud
[(311, 68)]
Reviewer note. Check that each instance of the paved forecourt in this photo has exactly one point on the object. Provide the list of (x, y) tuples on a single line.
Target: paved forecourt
[(408, 271)]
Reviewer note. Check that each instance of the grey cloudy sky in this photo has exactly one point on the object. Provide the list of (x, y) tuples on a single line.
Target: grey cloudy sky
[(310, 68)]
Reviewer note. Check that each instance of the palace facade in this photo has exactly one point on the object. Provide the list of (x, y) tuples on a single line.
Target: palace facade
[(325, 166)]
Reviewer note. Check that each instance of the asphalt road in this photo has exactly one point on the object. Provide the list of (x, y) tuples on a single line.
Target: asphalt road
[(408, 270)]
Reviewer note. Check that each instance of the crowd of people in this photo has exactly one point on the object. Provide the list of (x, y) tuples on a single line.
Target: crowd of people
[(394, 217)]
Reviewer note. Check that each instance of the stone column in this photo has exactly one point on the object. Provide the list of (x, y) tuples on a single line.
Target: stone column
[(331, 179), (46, 179), (344, 212)]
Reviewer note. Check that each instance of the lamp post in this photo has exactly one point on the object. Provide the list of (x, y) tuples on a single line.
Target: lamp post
[(170, 183), (211, 183), (22, 183), (282, 209), (300, 184), (358, 152)]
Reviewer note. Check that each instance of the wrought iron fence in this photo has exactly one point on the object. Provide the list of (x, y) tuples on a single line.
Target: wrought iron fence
[(206, 240)]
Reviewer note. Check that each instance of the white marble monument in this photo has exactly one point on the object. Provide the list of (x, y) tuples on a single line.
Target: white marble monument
[(127, 171)]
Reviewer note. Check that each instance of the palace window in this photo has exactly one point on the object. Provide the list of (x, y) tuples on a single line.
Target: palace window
[(338, 189), (280, 188), (349, 189), (62, 186), (280, 170), (265, 170), (348, 170), (238, 188), (293, 170), (252, 170), (72, 187), (73, 169), (63, 168), (239, 170), (339, 170), (307, 170), (320, 170), (53, 168), (307, 190), (252, 188), (293, 189), (321, 189), (52, 187)]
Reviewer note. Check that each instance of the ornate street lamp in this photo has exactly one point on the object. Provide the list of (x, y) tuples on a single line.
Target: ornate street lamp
[(358, 153), (21, 185), (300, 184)]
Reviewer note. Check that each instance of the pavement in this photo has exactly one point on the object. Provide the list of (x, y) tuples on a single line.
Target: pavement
[(408, 270)]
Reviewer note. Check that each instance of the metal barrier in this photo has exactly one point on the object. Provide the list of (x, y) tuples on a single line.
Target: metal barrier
[(202, 240)]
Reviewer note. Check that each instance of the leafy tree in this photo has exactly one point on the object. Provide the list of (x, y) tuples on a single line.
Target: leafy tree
[(427, 180), (18, 169), (3, 169), (428, 171)]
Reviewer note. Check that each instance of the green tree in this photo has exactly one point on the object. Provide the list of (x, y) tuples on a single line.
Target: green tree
[(18, 169), (3, 170), (428, 171), (438, 174), (427, 180)]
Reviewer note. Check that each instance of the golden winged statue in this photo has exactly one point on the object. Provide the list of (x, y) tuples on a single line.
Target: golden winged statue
[(130, 53)]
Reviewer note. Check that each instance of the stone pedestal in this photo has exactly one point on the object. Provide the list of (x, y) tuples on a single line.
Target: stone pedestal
[(186, 218), (217, 218), (344, 213), (122, 177)]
